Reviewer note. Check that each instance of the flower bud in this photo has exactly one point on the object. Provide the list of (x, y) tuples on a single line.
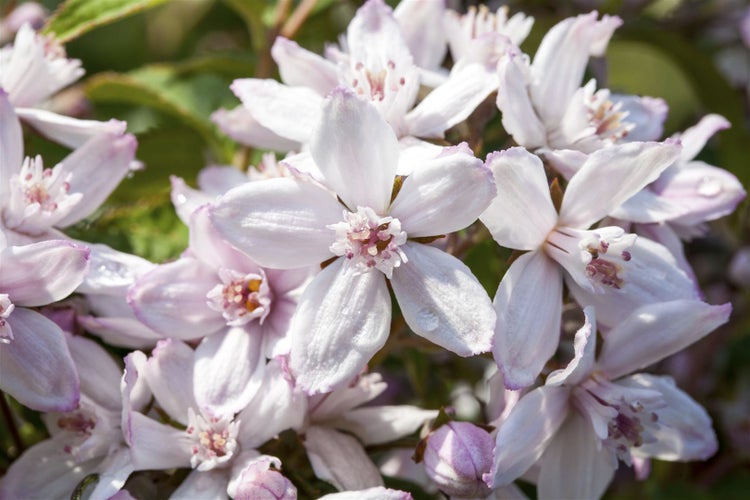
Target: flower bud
[(456, 456), (259, 481)]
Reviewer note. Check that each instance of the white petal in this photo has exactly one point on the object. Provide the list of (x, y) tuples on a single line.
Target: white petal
[(169, 373), (65, 130), (444, 195), (40, 273), (11, 144), (528, 305), (290, 112), (655, 331), (519, 116), (158, 446), (583, 361), (329, 406), (241, 125), (340, 459), (522, 438), (112, 272), (380, 424), (36, 367), (342, 320), (356, 150), (186, 200), (418, 20), (207, 245), (646, 113), (279, 223), (99, 374), (432, 288), (561, 60), (44, 471), (228, 369), (376, 493), (276, 406), (522, 214), (97, 166), (685, 431), (301, 68), (171, 299), (113, 471), (574, 464), (452, 102), (610, 176), (695, 138)]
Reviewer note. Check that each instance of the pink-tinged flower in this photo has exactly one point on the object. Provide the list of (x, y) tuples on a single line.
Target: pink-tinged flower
[(85, 440), (605, 266), (463, 29), (544, 105), (218, 443), (593, 413), (376, 64), (369, 234), (35, 364), (34, 199), (456, 457), (33, 69), (216, 292), (338, 426)]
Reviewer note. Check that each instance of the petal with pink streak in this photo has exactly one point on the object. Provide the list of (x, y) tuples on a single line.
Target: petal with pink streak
[(36, 367), (432, 288), (522, 214), (695, 138), (342, 320), (528, 305), (523, 437), (40, 273), (574, 464), (356, 150), (340, 459), (655, 331), (279, 223), (584, 347), (444, 195)]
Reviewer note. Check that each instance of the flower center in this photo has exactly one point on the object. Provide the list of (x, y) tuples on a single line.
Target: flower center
[(593, 258), (39, 196), (627, 413), (607, 117), (370, 240), (375, 84), (77, 426), (214, 440), (241, 298), (6, 307)]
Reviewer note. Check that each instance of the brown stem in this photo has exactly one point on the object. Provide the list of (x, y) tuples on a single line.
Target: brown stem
[(297, 19)]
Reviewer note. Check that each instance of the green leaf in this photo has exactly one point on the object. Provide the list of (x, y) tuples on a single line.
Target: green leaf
[(75, 17), (190, 99)]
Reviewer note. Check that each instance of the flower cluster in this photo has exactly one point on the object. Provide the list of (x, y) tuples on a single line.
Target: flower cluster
[(303, 273)]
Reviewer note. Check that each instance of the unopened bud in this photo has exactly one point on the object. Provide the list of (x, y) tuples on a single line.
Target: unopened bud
[(456, 456)]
